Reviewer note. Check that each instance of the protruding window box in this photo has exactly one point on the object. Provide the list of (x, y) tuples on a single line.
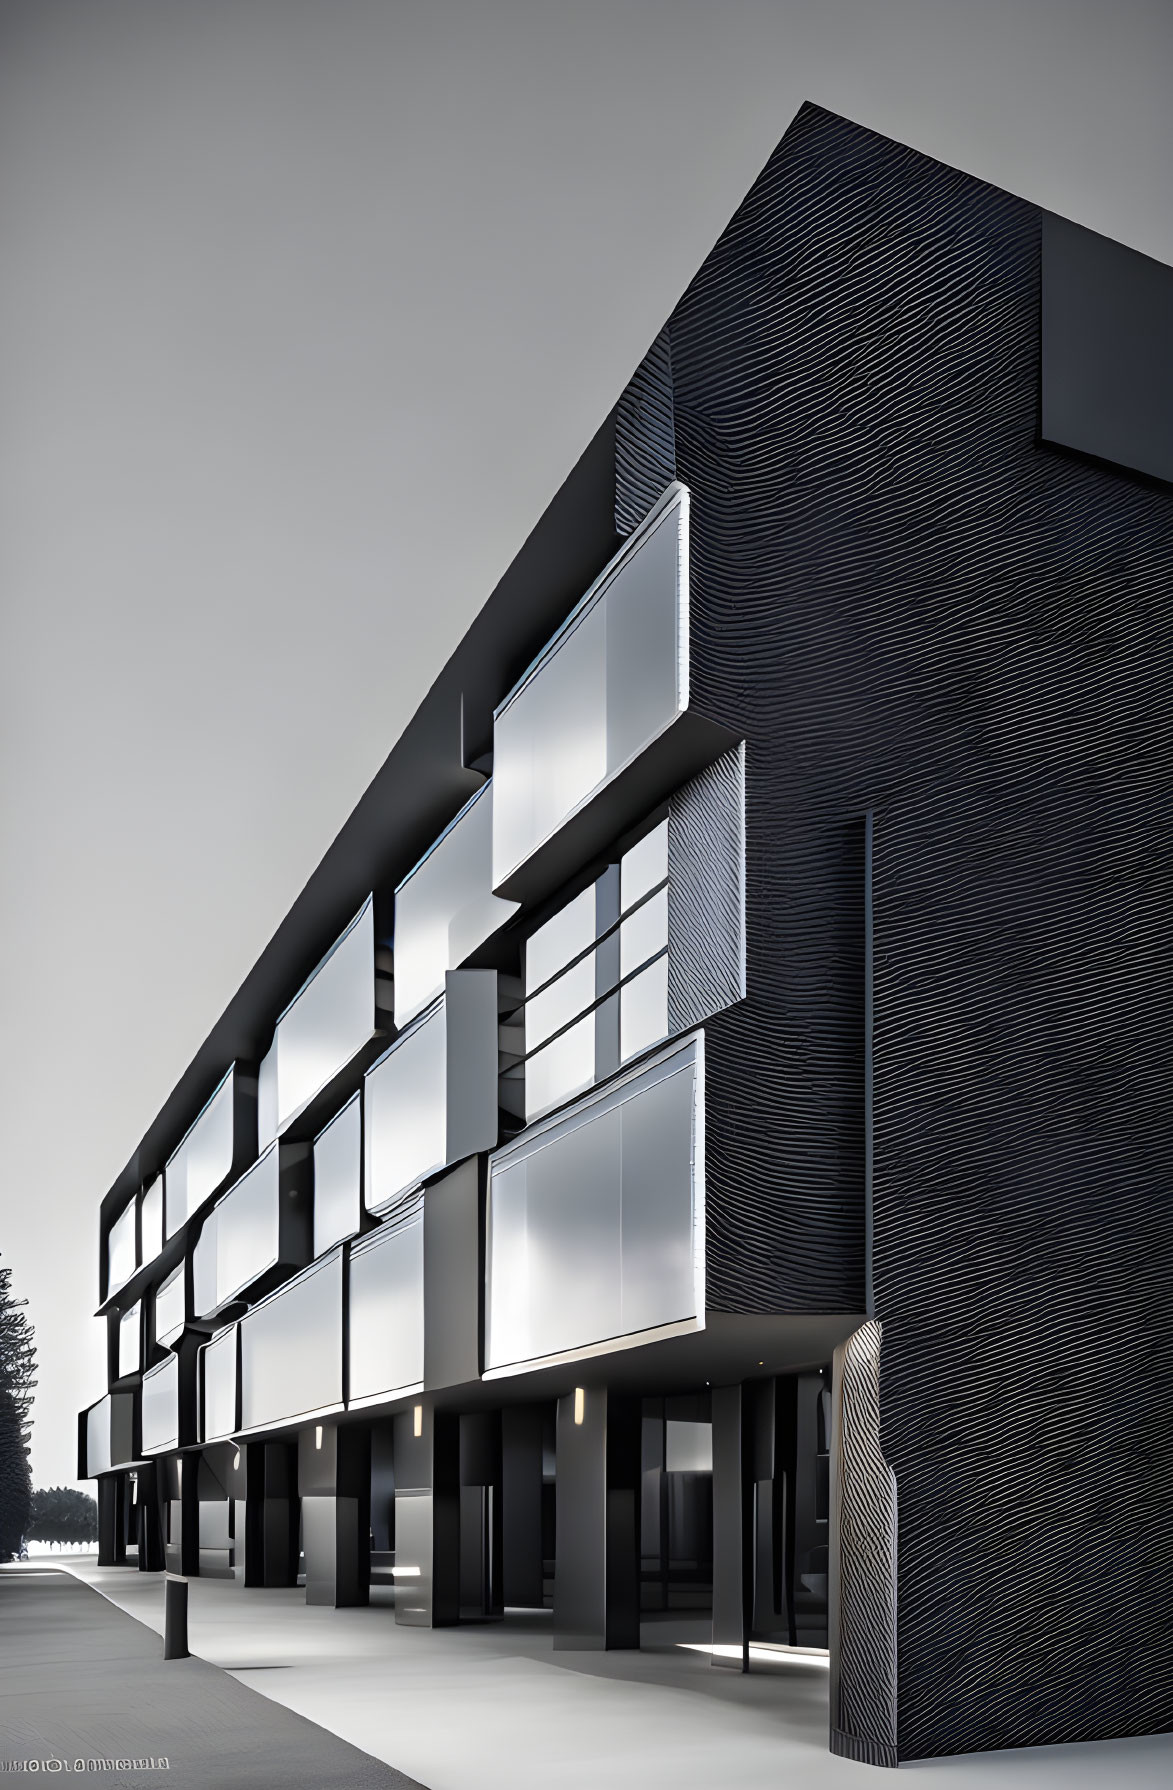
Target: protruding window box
[(596, 1221), (173, 1305), (219, 1385), (151, 1220), (217, 1146), (336, 1014), (338, 1207), (432, 1098), (257, 1234), (386, 1328), (599, 728), (107, 1435), (122, 1257), (169, 1402), (445, 909), (128, 1356), (291, 1350)]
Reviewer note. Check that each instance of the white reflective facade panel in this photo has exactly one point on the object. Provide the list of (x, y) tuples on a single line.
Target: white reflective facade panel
[(387, 1311), (688, 1447), (560, 1001), (98, 1438), (129, 1343), (596, 1222), (218, 1418), (606, 687), (161, 1406), (561, 1069), (406, 1096), (644, 933), (643, 1010), (446, 908), (565, 936), (338, 1178), (151, 1220), (247, 1219), (291, 1348), (122, 1250), (170, 1308), (644, 866), (331, 1018), (267, 1098), (203, 1161)]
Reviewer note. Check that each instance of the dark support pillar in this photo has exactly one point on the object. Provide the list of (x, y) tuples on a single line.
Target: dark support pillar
[(271, 1514), (150, 1520), (334, 1479), (111, 1539), (596, 1579), (481, 1597), (733, 1573), (427, 1517), (521, 1499), (179, 1476)]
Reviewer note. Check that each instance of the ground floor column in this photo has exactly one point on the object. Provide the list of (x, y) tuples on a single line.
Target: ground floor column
[(271, 1513), (149, 1519), (521, 1500), (596, 1575), (334, 1480), (427, 1516), (111, 1531)]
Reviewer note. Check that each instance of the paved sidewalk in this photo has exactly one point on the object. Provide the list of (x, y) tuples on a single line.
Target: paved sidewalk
[(83, 1685), (493, 1707)]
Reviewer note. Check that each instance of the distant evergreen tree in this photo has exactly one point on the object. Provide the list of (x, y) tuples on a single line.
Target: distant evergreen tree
[(62, 1514), (18, 1359)]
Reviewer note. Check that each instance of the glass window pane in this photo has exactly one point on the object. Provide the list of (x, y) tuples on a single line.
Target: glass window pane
[(645, 865), (509, 1326), (98, 1438), (642, 643), (387, 1311), (170, 1313), (446, 908), (573, 1194), (560, 1069), (330, 1019), (219, 1386), (563, 938), (203, 1161), (123, 1250), (129, 1351), (644, 933), (688, 1447), (247, 1228), (643, 1010), (161, 1406), (406, 1111), (338, 1178), (572, 993), (291, 1348), (659, 1279), (151, 1219)]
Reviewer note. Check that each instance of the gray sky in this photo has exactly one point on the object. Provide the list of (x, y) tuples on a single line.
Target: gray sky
[(306, 311)]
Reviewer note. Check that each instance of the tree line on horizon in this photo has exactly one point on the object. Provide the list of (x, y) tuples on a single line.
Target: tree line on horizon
[(18, 1360)]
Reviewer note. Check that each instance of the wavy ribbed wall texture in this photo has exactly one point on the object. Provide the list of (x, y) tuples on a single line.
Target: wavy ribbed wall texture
[(908, 605)]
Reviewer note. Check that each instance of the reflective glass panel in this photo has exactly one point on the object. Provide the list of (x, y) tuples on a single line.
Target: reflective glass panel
[(129, 1350), (219, 1385), (170, 1314), (406, 1111), (642, 643), (561, 1069), (151, 1219), (643, 1010), (446, 908), (592, 1227), (560, 1001), (330, 1019), (247, 1228), (645, 865), (123, 1250), (563, 938), (338, 1178), (161, 1406), (98, 1438), (291, 1348), (644, 933), (203, 1161), (387, 1310), (688, 1447)]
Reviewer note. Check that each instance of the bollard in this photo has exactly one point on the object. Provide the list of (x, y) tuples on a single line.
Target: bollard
[(175, 1618)]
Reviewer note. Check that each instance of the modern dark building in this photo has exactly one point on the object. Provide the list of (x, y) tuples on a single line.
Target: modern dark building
[(701, 1139)]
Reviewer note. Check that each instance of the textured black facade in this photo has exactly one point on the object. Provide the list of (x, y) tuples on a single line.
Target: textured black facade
[(909, 605)]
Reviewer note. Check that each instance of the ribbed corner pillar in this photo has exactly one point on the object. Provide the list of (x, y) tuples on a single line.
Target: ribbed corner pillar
[(596, 1574), (427, 1517), (334, 1479)]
